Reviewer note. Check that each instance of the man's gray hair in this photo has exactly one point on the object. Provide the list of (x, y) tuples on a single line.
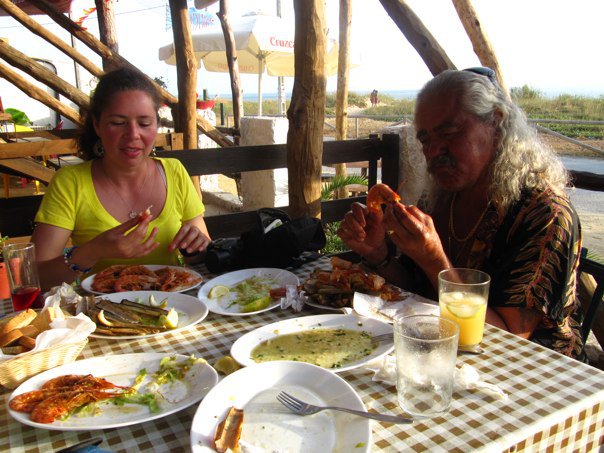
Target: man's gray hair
[(523, 160)]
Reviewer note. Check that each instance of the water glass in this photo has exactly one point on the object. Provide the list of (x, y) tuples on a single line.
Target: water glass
[(23, 279), (462, 297), (425, 348)]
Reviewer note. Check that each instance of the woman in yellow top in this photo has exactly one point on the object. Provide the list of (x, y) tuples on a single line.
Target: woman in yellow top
[(104, 203)]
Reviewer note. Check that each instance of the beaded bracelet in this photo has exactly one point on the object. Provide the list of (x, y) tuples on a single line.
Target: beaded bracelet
[(72, 266)]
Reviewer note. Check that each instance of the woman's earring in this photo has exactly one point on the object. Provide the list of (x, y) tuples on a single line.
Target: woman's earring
[(153, 151), (97, 149)]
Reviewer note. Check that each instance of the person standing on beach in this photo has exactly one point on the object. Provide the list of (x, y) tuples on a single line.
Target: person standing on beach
[(373, 97)]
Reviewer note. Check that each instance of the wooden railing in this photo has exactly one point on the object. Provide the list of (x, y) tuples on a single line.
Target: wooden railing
[(17, 214), (269, 157)]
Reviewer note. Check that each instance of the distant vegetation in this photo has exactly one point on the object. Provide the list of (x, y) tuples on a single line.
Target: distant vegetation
[(532, 101)]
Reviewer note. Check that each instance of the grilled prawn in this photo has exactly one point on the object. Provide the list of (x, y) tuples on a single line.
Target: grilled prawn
[(381, 194)]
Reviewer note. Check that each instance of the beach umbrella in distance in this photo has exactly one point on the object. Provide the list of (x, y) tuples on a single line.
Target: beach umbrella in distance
[(264, 43)]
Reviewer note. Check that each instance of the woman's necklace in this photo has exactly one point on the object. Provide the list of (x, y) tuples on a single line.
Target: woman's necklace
[(133, 212), (472, 232)]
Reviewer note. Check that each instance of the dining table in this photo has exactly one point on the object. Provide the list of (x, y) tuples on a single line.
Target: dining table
[(554, 403)]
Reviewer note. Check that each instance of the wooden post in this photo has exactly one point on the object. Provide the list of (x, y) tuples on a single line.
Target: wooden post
[(105, 52), (106, 19), (342, 90), (186, 70), (36, 28), (231, 52), (307, 110), (39, 94), (480, 42), (418, 36), (43, 74)]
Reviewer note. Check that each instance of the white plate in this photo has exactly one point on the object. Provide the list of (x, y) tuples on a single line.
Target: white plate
[(241, 350), (220, 305), (121, 370), (324, 307), (268, 425), (190, 310), (87, 282)]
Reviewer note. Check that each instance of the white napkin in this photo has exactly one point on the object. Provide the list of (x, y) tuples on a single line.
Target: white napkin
[(466, 377), (293, 299), (377, 308)]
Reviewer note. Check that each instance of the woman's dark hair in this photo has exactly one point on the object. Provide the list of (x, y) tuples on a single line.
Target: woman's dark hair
[(119, 80)]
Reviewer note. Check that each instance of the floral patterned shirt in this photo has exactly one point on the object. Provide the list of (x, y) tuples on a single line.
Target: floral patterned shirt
[(532, 254)]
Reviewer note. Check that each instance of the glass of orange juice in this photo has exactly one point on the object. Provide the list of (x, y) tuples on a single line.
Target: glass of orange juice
[(462, 297)]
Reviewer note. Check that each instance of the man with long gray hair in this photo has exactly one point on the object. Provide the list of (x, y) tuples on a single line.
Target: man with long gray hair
[(496, 202)]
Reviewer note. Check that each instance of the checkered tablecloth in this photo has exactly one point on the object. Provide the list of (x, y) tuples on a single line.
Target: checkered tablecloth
[(554, 404)]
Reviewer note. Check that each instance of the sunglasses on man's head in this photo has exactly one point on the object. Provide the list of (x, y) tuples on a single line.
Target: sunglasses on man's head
[(484, 71)]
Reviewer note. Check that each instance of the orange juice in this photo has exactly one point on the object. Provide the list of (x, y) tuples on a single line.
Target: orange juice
[(468, 311)]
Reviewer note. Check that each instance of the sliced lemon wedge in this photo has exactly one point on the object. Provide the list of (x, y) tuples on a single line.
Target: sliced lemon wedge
[(170, 320), (463, 310), (226, 365), (102, 319), (218, 291)]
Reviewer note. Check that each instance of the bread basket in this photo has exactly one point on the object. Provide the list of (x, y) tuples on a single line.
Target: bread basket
[(15, 371)]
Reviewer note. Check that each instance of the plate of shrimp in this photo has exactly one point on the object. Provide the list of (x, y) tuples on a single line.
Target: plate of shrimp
[(60, 399), (149, 277)]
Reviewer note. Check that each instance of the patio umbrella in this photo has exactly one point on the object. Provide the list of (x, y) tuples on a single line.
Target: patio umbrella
[(263, 43)]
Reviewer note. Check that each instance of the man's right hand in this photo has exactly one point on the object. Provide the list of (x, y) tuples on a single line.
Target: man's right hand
[(362, 231)]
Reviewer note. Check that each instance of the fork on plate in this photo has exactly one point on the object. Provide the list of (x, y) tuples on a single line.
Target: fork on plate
[(301, 408)]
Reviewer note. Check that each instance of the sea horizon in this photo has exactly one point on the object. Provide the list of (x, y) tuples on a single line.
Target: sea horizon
[(411, 94)]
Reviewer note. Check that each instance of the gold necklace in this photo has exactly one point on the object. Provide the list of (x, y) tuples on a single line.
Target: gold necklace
[(472, 232), (133, 213)]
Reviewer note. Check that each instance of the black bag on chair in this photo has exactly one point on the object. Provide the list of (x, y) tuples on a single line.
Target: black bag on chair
[(278, 241), (275, 241)]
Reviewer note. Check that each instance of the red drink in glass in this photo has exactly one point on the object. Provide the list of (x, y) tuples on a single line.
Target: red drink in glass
[(26, 297)]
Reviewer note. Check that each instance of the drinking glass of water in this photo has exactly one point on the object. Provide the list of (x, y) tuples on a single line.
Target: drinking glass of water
[(425, 348)]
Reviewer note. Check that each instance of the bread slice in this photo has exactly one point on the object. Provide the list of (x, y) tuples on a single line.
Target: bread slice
[(14, 350), (27, 342), (44, 318), (20, 320), (10, 338), (30, 331)]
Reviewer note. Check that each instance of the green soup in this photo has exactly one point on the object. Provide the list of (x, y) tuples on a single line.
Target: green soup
[(327, 348)]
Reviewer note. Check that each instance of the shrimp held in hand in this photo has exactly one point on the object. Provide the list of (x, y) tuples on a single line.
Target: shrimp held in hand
[(379, 195)]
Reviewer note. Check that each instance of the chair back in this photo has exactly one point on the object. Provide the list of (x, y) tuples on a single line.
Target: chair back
[(596, 270)]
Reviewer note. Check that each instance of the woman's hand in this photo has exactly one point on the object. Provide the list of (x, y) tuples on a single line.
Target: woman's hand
[(192, 237), (362, 231), (120, 242)]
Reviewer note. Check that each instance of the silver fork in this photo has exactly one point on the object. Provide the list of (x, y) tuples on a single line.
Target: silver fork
[(301, 408), (385, 337)]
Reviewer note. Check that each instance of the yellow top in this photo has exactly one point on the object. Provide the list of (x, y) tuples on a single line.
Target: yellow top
[(71, 203)]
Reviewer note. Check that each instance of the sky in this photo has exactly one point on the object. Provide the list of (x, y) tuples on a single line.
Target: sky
[(549, 45)]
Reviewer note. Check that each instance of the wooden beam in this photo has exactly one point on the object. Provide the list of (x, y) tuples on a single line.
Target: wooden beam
[(37, 148), (233, 63), (105, 52), (36, 28), (480, 42), (43, 74), (39, 94), (345, 17), (186, 70), (307, 110), (29, 167), (106, 19), (418, 36)]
